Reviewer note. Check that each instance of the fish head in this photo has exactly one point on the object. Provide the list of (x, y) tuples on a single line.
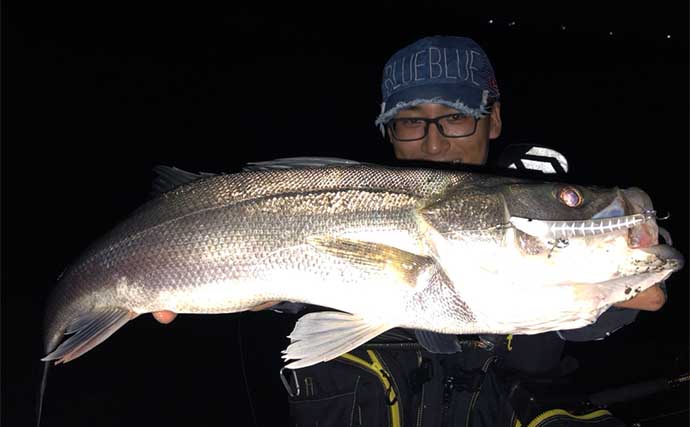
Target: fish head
[(545, 233)]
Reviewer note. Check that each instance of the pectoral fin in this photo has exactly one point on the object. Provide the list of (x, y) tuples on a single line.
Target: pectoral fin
[(375, 255), (89, 329), (322, 336), (438, 343)]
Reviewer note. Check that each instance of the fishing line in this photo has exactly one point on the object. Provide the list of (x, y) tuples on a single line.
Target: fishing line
[(42, 393), (244, 371), (558, 243), (660, 416)]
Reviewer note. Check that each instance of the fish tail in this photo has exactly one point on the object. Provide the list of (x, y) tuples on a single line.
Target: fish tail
[(89, 329)]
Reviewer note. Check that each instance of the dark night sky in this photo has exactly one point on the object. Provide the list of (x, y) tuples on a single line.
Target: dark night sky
[(96, 95)]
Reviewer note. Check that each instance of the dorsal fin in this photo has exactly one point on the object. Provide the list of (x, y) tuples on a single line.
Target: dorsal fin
[(299, 162), (169, 177)]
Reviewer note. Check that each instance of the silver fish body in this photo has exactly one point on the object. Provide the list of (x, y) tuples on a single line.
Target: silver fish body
[(389, 247)]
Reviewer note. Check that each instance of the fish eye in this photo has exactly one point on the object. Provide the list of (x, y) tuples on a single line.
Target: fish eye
[(570, 197)]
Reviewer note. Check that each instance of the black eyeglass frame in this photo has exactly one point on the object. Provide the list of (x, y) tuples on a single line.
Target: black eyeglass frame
[(427, 121)]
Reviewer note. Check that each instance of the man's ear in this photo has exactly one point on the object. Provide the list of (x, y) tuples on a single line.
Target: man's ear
[(388, 132), (495, 124)]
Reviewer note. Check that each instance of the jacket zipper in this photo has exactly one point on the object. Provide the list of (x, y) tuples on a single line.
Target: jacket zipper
[(389, 386), (544, 416), (420, 408), (485, 368)]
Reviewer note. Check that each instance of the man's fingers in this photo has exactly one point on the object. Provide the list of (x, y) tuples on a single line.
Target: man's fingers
[(651, 299), (164, 316), (264, 306)]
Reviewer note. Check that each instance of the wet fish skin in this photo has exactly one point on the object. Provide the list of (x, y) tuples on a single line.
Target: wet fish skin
[(184, 238), (401, 247)]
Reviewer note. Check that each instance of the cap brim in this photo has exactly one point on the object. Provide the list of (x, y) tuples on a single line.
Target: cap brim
[(470, 100), (451, 92)]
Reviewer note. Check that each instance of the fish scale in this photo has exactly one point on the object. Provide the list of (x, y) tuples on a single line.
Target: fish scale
[(181, 241), (213, 192), (417, 248)]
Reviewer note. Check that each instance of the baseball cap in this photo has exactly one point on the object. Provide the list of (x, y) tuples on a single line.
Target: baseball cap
[(449, 70)]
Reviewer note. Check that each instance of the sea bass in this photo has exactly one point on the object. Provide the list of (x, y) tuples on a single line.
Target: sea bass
[(435, 250)]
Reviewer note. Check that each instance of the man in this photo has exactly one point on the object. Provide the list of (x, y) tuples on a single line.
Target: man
[(446, 78), (441, 103), (438, 85)]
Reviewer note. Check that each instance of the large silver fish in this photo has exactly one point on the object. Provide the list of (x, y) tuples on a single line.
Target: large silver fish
[(442, 251)]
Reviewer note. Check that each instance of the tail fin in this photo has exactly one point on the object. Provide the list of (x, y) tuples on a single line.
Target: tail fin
[(90, 329)]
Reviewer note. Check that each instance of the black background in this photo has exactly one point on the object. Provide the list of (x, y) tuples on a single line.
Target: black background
[(96, 94)]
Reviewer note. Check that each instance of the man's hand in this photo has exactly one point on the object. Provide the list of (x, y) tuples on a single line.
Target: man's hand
[(264, 306), (164, 316), (651, 299)]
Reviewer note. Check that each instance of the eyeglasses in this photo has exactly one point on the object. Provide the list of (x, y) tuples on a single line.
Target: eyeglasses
[(456, 125)]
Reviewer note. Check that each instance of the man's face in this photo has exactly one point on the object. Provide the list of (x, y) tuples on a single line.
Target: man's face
[(472, 149)]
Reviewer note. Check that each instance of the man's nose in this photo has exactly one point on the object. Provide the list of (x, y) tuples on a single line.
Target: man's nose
[(435, 143)]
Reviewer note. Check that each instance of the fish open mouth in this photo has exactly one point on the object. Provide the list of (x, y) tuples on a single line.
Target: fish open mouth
[(644, 234), (668, 257)]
